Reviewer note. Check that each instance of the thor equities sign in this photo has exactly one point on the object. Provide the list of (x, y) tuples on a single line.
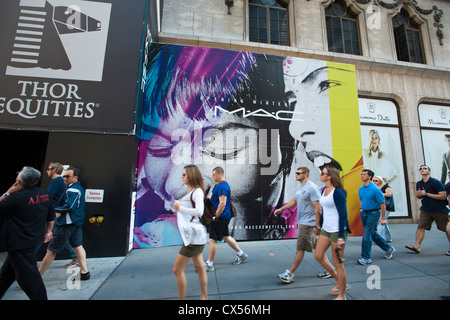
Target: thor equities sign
[(70, 64)]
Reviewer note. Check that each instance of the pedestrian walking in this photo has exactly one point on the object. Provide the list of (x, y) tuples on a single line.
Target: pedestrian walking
[(192, 231), (434, 207), (373, 211), (218, 228), (27, 217), (334, 229), (306, 199), (69, 224), (57, 190), (383, 229)]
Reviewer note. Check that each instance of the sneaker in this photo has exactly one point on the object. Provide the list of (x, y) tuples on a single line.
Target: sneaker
[(364, 262), (286, 277), (72, 263), (85, 276), (240, 259), (388, 253), (209, 268), (324, 275)]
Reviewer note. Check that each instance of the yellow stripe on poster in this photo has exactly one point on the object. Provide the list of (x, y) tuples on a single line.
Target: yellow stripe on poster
[(346, 135)]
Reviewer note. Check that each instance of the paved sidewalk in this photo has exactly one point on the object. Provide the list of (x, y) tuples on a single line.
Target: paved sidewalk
[(146, 274)]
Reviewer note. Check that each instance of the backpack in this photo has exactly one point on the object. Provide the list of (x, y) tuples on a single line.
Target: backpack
[(208, 211)]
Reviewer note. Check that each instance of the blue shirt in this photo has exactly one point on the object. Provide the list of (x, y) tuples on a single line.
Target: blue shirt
[(220, 189), (57, 191), (371, 197)]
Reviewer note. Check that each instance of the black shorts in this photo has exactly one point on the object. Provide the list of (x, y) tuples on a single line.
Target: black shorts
[(218, 229), (63, 233)]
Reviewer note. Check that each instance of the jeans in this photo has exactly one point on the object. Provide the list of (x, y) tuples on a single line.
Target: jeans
[(370, 223)]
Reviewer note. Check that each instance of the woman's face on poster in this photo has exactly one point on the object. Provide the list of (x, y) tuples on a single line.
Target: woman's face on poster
[(375, 141), (228, 141), (306, 87)]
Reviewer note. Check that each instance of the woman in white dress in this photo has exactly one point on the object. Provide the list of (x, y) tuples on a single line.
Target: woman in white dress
[(192, 231)]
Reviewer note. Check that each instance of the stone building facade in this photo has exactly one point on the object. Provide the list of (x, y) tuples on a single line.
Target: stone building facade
[(381, 74)]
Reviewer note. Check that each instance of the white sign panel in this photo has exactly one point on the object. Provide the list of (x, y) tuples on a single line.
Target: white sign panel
[(377, 111), (94, 195), (434, 116)]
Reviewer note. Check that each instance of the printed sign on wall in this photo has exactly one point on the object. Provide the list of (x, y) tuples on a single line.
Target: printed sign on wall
[(260, 117), (70, 64)]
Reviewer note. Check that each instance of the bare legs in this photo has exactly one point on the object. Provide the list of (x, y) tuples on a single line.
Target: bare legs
[(339, 274), (50, 257), (178, 269)]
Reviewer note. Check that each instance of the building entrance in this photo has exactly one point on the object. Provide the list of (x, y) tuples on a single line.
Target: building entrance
[(19, 149)]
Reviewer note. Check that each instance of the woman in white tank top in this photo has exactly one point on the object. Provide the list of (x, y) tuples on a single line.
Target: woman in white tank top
[(334, 229)]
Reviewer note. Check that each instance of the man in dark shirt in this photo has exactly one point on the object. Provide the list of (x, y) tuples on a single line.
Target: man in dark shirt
[(27, 217), (434, 207)]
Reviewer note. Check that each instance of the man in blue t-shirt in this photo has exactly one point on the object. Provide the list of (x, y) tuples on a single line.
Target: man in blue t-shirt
[(218, 228), (434, 207), (373, 209)]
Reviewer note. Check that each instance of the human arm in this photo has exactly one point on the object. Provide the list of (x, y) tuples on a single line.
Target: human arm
[(288, 205), (383, 213), (221, 206), (340, 201), (50, 222), (199, 205), (48, 233), (318, 214), (17, 186)]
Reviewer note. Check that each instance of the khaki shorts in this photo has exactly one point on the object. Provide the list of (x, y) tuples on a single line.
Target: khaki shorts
[(306, 239), (333, 235), (427, 218), (191, 250)]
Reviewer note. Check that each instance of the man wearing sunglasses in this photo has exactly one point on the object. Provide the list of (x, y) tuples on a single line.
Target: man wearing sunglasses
[(69, 224), (434, 207), (306, 199)]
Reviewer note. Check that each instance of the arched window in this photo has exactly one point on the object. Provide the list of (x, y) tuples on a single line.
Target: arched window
[(268, 22), (342, 29), (408, 41)]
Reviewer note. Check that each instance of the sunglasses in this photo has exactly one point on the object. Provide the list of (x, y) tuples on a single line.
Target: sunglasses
[(299, 173), (423, 168), (67, 177)]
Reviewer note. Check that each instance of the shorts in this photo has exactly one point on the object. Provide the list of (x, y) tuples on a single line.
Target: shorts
[(64, 233), (306, 239), (191, 250), (426, 219), (218, 229), (333, 235)]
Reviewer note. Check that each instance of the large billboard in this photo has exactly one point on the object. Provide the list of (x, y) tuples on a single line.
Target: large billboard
[(70, 65), (259, 117)]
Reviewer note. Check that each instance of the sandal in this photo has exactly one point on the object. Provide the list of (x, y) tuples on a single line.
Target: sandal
[(336, 290), (412, 248), (447, 253)]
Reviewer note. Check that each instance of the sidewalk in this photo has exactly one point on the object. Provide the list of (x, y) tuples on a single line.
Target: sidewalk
[(146, 274)]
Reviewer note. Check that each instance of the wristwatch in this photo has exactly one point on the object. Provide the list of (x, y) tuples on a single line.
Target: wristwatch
[(5, 194)]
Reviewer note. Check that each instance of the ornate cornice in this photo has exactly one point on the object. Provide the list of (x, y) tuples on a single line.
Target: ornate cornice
[(398, 3)]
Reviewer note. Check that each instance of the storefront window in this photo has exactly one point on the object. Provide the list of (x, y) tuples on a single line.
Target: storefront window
[(382, 148)]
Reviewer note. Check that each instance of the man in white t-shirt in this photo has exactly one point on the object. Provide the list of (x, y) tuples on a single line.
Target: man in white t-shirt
[(306, 199)]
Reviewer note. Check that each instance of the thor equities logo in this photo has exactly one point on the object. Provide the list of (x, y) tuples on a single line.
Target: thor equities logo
[(60, 39)]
